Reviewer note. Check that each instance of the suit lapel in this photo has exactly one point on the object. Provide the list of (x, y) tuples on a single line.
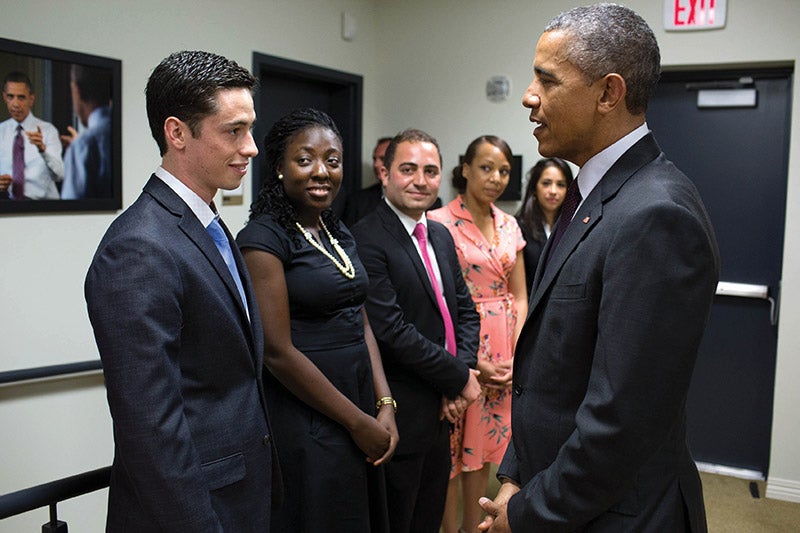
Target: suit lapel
[(252, 322), (189, 224), (225, 273), (439, 242), (397, 231), (591, 212), (584, 220)]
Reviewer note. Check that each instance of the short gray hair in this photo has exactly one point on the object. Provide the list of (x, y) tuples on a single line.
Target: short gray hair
[(605, 38)]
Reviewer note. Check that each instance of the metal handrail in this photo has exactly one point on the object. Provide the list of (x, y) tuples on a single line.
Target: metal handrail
[(48, 494), (27, 374), (51, 493)]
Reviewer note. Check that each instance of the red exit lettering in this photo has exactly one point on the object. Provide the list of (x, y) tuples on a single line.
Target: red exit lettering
[(694, 12)]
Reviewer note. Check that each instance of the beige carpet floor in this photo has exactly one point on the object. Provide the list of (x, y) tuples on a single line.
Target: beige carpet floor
[(731, 507)]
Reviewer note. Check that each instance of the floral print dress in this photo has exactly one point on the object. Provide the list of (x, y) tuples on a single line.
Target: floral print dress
[(483, 433)]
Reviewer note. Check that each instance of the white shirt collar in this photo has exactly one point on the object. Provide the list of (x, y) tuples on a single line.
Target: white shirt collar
[(29, 123), (408, 223), (201, 209), (596, 167)]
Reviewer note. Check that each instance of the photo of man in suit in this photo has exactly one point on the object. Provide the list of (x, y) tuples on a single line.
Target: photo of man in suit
[(619, 304), (176, 323), (428, 341), (30, 150)]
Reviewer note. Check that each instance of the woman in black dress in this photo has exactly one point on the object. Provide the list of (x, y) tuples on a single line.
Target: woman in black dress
[(547, 186), (331, 409)]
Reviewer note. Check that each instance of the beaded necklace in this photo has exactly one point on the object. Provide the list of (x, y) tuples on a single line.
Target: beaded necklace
[(347, 268)]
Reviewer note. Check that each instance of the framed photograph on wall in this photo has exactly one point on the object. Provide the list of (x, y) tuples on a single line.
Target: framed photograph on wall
[(60, 130)]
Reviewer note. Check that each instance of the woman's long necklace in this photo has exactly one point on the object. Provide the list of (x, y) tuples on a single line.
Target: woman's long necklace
[(347, 268)]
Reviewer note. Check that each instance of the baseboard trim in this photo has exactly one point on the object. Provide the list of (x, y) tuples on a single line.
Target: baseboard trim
[(731, 471), (787, 490)]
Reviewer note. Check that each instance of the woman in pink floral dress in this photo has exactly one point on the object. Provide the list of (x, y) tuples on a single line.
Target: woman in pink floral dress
[(489, 245)]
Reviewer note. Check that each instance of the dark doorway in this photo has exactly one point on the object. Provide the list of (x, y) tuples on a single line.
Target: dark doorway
[(286, 85), (736, 151)]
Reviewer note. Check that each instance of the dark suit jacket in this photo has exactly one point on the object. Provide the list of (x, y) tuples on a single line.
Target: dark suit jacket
[(405, 318), (360, 203), (603, 363), (182, 366)]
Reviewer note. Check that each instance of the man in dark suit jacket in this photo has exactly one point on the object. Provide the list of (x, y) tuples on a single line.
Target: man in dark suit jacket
[(179, 336), (430, 384), (619, 305)]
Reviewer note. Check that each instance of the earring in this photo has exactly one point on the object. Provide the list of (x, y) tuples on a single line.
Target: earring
[(280, 176)]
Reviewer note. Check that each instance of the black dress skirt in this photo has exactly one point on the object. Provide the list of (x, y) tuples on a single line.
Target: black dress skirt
[(328, 485)]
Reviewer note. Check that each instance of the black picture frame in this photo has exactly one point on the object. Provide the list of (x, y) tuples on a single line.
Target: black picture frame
[(49, 69)]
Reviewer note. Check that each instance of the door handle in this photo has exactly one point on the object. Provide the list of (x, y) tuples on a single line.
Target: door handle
[(742, 290), (747, 290)]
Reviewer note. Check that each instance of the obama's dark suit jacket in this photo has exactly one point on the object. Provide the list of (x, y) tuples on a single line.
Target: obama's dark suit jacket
[(603, 363)]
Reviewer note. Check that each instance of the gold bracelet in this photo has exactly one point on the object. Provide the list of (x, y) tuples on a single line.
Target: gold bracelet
[(386, 400)]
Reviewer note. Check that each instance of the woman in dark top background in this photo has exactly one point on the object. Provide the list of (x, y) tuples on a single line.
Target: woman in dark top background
[(547, 186), (325, 373)]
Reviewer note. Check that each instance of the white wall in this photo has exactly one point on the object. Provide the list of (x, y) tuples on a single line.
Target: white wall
[(424, 64), (56, 429), (433, 76)]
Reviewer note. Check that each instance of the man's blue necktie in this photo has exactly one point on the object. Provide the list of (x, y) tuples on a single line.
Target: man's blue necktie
[(224, 247)]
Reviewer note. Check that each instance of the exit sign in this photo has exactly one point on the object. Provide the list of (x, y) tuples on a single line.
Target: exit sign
[(683, 15)]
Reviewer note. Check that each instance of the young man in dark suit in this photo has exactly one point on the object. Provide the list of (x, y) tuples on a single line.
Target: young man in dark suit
[(427, 360), (619, 304), (176, 322)]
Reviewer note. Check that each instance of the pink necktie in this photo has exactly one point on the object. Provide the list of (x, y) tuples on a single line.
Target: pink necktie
[(18, 166), (449, 331)]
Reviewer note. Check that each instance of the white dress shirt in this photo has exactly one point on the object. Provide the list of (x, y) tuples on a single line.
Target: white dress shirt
[(409, 224), (42, 169), (595, 168)]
